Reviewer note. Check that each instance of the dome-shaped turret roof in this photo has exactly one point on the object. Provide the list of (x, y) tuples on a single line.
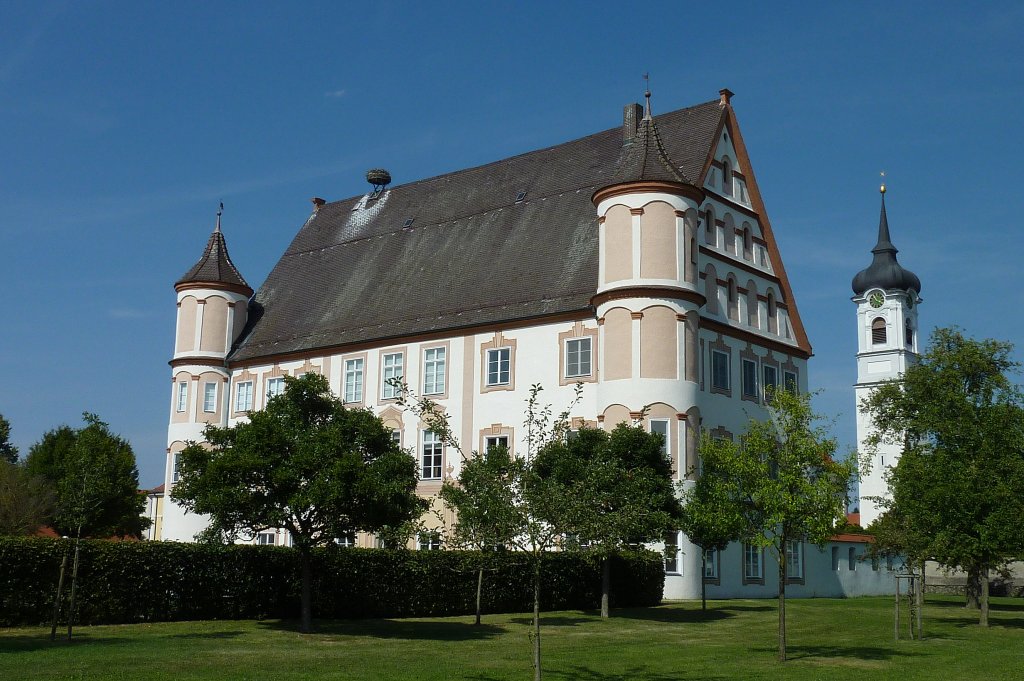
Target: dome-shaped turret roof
[(885, 272), (215, 266)]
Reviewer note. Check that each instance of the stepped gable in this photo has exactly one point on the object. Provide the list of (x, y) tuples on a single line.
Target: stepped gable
[(359, 271)]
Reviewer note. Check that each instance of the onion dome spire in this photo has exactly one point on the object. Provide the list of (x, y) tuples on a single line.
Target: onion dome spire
[(885, 272), (215, 267)]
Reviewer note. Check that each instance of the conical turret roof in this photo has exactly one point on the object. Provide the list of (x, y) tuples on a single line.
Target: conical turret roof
[(885, 272), (215, 266), (645, 159)]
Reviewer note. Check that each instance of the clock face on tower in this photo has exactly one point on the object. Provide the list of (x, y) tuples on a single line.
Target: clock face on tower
[(875, 299)]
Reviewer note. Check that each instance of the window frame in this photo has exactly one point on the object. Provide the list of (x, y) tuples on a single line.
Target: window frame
[(793, 385), (181, 397), (748, 391), (495, 357), (428, 541), (666, 445), (753, 556), (429, 438), (209, 398), (879, 331), (710, 567), (175, 467), (794, 561), (440, 378), (354, 368), (765, 383), (239, 386), (396, 371), (488, 444), (274, 386), (271, 538), (672, 565), (715, 386), (579, 342)]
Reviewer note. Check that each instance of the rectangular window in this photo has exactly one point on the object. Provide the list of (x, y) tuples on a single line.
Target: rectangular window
[(275, 386), (851, 559), (267, 538), (354, 380), (719, 370), (835, 558), (346, 540), (243, 396), (498, 366), (660, 427), (672, 552), (749, 371), (794, 559), (181, 401), (429, 541), (790, 382), (771, 379), (433, 371), (396, 436), (432, 451), (711, 564), (175, 467), (210, 397), (496, 441), (577, 357), (752, 568), (393, 369)]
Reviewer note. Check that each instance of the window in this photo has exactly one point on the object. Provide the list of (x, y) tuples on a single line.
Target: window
[(672, 552), (711, 564), (909, 334), (719, 370), (429, 541), (794, 559), (433, 371), (275, 386), (660, 427), (748, 244), (181, 401), (734, 304), (346, 540), (878, 331), (432, 451), (393, 368), (243, 396), (210, 397), (266, 538), (710, 235), (749, 375), (773, 315), (175, 467), (752, 568), (771, 379), (791, 383), (499, 366), (726, 177), (396, 436), (577, 357), (851, 559), (835, 558), (354, 380), (494, 441)]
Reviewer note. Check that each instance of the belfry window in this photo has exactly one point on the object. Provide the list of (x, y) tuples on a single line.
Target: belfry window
[(909, 334), (878, 331)]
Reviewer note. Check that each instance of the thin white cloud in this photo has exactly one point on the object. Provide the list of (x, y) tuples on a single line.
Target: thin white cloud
[(335, 94)]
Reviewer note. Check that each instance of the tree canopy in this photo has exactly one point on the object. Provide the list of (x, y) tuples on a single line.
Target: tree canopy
[(8, 452), (26, 500), (958, 488), (779, 483), (307, 464), (95, 477)]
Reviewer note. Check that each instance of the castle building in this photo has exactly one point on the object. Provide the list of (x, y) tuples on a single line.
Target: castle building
[(887, 296), (639, 261)]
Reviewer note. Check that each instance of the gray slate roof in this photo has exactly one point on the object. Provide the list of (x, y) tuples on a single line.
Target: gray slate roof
[(215, 266), (885, 272), (472, 255)]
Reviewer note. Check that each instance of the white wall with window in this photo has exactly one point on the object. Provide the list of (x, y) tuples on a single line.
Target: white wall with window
[(210, 397), (432, 456), (392, 369), (499, 366), (243, 396), (434, 371), (578, 357), (353, 380)]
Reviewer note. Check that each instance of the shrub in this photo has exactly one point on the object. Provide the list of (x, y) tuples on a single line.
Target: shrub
[(123, 582)]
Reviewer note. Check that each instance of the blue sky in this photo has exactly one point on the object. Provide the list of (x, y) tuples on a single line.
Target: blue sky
[(123, 124)]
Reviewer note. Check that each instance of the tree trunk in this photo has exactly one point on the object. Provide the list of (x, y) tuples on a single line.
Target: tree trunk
[(606, 584), (920, 604), (983, 621), (536, 619), (74, 583), (306, 622), (973, 589), (782, 602), (479, 590), (60, 591), (703, 582), (896, 613)]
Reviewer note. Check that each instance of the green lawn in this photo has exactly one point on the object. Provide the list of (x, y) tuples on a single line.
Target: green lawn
[(829, 639)]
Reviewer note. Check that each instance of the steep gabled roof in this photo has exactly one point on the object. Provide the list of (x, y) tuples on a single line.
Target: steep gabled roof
[(215, 266), (359, 271)]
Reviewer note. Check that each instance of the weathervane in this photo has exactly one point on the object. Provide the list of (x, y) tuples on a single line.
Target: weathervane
[(647, 93), (220, 211), (882, 188)]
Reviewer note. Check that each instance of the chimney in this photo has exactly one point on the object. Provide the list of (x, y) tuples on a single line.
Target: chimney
[(317, 202), (725, 95), (632, 114)]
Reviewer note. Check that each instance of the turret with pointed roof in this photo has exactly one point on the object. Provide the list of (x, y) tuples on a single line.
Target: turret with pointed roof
[(885, 272), (215, 269)]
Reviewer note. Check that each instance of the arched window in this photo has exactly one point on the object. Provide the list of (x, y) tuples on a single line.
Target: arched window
[(726, 177), (773, 319), (909, 334), (753, 313), (709, 228), (693, 253), (878, 331), (711, 289), (734, 303), (748, 244)]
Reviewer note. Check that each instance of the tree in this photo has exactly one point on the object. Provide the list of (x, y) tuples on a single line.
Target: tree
[(8, 452), (959, 483), (710, 519), (26, 500), (616, 491), (781, 479), (306, 463), (96, 479)]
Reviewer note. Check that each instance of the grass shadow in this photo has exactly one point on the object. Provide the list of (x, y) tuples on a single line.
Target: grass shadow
[(395, 629), (875, 653), (24, 643), (554, 620), (579, 673), (209, 635), (673, 614), (1005, 622)]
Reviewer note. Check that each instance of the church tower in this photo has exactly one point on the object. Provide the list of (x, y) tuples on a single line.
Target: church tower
[(212, 309), (887, 297)]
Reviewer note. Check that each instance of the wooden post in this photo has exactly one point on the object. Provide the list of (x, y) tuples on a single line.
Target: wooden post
[(60, 592), (896, 621)]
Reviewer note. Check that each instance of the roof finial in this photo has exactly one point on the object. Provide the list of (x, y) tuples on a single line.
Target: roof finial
[(219, 212), (647, 95), (882, 188)]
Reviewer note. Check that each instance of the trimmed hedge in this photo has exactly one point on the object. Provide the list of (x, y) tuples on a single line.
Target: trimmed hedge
[(123, 582)]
